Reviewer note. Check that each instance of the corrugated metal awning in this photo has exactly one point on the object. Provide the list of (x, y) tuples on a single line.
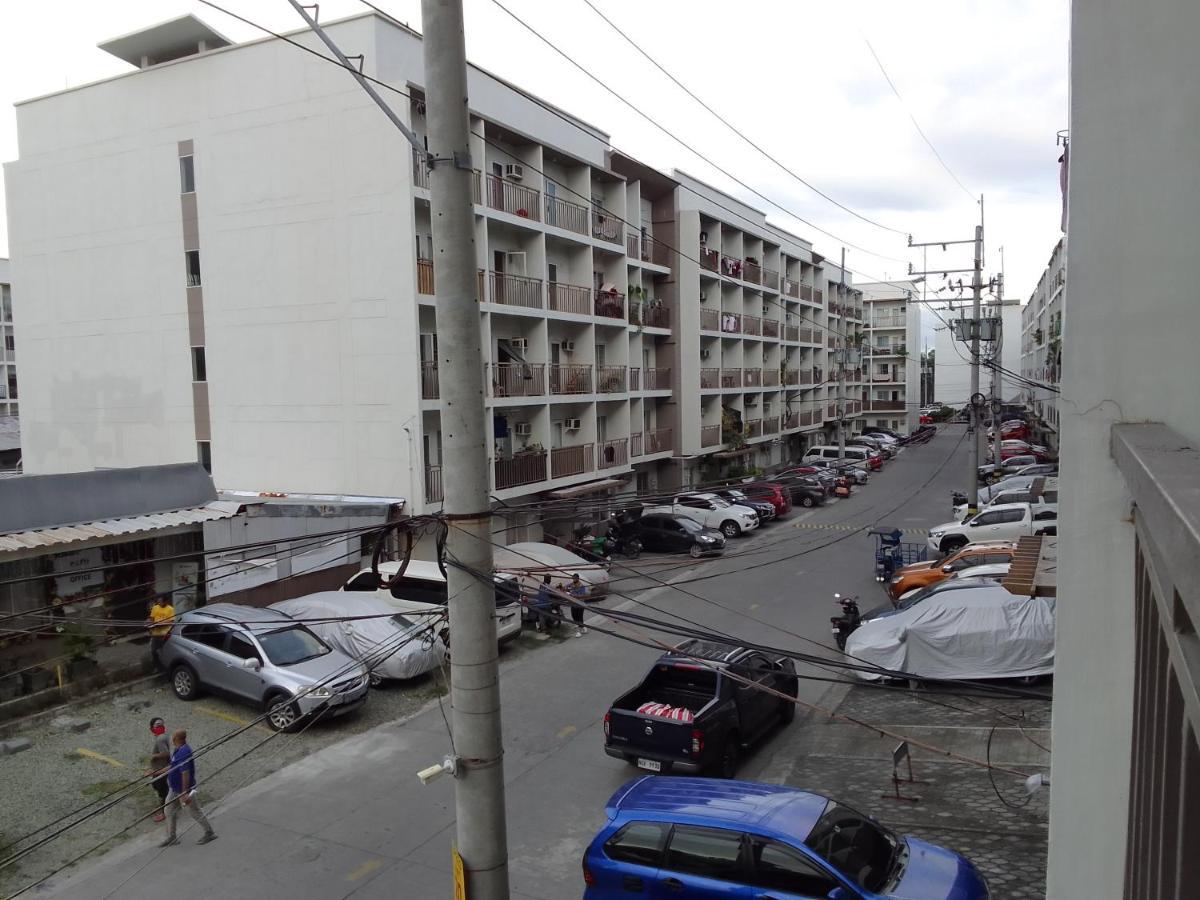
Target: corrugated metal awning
[(581, 490), (107, 528)]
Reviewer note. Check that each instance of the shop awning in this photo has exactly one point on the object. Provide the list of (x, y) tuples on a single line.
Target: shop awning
[(126, 525)]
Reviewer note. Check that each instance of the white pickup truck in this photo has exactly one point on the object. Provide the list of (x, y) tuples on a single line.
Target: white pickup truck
[(1002, 522), (712, 512)]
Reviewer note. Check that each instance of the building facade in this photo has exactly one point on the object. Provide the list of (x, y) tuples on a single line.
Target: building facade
[(9, 400), (952, 359), (891, 355), (1041, 344), (256, 276)]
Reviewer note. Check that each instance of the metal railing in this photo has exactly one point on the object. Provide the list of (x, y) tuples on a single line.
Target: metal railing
[(571, 379), (424, 276), (770, 377), (710, 435), (610, 379), (569, 298), (610, 304), (818, 295), (808, 336), (752, 377), (791, 333), (710, 378), (657, 379), (613, 453), (770, 328), (731, 378), (710, 320), (751, 324), (806, 376), (429, 380), (771, 425), (571, 460), (806, 292), (659, 440), (731, 266), (567, 215), (516, 290), (710, 259), (791, 376), (655, 251), (791, 288), (518, 379), (791, 420), (652, 315), (635, 378), (433, 484), (521, 469), (752, 272), (753, 428), (516, 199), (731, 323), (770, 279), (633, 246), (889, 322), (420, 172), (635, 444), (606, 226)]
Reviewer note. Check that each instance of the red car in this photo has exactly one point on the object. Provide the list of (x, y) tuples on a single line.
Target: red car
[(775, 494)]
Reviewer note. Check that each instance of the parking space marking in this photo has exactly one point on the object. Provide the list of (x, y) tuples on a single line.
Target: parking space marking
[(228, 717), (100, 757), (566, 731), (365, 869), (815, 527)]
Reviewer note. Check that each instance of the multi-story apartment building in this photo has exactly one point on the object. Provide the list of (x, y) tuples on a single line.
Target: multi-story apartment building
[(952, 366), (251, 284), (891, 354), (9, 402), (1041, 343)]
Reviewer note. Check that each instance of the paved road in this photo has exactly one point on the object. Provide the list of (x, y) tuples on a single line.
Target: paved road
[(352, 819)]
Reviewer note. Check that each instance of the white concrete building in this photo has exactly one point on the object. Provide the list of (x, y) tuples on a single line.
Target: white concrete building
[(9, 405), (1125, 785), (892, 354), (225, 255), (952, 368), (1041, 344)]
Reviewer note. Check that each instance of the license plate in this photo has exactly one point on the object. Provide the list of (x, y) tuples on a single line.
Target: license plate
[(651, 765), (835, 630)]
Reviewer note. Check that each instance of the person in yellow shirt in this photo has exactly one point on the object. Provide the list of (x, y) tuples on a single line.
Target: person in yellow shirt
[(161, 615)]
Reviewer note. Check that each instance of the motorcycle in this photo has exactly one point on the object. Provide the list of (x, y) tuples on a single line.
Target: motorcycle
[(624, 542), (849, 620)]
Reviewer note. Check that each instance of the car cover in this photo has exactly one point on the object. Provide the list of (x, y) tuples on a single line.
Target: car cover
[(979, 633), (391, 644)]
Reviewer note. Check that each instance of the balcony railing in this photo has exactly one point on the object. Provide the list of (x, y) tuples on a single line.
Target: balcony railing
[(424, 276), (807, 335), (771, 425), (831, 411), (791, 288), (570, 298), (751, 324), (806, 292), (635, 378), (806, 376), (516, 290), (657, 379), (731, 266), (710, 320), (659, 440), (752, 272), (710, 378), (613, 453), (420, 170), (885, 405), (567, 215), (791, 420), (655, 251), (818, 295), (791, 333), (770, 279), (731, 378), (606, 226), (752, 377), (571, 379), (518, 379), (516, 199), (635, 444), (770, 377), (633, 246), (523, 468), (731, 323), (433, 484), (831, 341), (610, 379), (753, 428), (566, 461), (710, 435), (653, 315), (818, 375), (791, 376), (610, 304), (710, 259), (429, 380)]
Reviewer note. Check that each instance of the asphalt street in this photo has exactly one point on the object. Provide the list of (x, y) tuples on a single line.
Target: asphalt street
[(351, 818)]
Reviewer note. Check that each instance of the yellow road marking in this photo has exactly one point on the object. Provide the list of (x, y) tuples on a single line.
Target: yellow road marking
[(365, 869), (100, 757), (565, 732), (228, 717), (814, 527)]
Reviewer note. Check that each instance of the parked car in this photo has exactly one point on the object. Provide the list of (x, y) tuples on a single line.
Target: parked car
[(824, 480), (807, 491), (694, 713), (920, 574), (708, 838), (981, 631), (711, 511), (1039, 469), (530, 561), (422, 590), (917, 595), (392, 646), (764, 508), (855, 471), (857, 454), (1014, 495), (1006, 522), (881, 430), (1010, 466), (667, 533), (265, 658), (771, 492), (887, 447)]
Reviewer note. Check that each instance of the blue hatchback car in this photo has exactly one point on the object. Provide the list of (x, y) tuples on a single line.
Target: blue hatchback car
[(706, 838)]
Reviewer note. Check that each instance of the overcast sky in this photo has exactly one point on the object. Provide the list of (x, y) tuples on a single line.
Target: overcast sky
[(986, 79)]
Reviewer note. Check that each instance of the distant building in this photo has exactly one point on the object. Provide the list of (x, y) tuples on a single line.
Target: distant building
[(952, 373), (891, 354), (1041, 344), (8, 347)]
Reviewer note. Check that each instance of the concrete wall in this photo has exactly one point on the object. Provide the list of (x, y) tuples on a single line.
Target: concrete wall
[(1134, 200)]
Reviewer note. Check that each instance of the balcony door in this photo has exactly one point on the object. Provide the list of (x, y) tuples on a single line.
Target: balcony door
[(556, 435)]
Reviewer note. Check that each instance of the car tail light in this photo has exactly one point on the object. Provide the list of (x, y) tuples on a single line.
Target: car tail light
[(588, 878), (697, 742), (607, 730)]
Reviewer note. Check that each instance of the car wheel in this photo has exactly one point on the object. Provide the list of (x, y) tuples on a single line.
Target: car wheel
[(184, 682), (697, 551), (949, 545), (730, 756), (730, 529), (633, 550), (807, 502), (282, 714)]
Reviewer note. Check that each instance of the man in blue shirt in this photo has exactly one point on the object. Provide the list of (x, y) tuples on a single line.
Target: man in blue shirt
[(181, 779)]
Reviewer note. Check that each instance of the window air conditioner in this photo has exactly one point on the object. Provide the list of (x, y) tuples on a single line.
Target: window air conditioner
[(523, 429), (572, 424), (514, 171), (568, 346), (520, 345)]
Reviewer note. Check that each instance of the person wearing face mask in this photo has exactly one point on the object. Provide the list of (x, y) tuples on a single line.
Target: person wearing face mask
[(160, 756)]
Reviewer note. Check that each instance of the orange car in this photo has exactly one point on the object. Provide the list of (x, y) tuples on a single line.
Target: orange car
[(922, 574)]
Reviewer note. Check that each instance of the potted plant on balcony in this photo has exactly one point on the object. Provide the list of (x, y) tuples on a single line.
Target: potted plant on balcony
[(78, 644)]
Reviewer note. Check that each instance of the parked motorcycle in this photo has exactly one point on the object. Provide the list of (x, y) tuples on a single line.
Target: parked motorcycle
[(849, 620)]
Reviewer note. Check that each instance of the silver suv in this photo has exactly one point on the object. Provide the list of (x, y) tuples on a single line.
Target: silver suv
[(264, 656)]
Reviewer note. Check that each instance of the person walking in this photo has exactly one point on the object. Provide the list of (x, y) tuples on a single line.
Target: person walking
[(181, 779), (543, 604), (160, 758), (579, 592), (161, 614)]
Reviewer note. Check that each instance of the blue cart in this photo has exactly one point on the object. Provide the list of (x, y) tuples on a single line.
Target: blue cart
[(891, 553)]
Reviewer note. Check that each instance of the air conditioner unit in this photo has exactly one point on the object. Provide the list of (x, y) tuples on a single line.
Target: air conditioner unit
[(514, 171), (523, 429), (704, 354), (520, 345), (568, 346), (572, 424), (703, 296)]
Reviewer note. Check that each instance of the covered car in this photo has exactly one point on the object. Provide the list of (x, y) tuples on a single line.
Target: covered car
[(530, 560), (393, 645), (980, 632)]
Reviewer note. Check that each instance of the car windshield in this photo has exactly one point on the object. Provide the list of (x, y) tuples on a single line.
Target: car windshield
[(735, 495), (289, 646), (862, 850), (720, 503), (691, 525)]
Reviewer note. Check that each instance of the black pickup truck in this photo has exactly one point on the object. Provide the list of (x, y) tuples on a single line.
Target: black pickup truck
[(727, 714)]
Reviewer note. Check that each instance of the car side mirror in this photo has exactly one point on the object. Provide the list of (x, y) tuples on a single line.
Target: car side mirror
[(947, 569), (254, 664)]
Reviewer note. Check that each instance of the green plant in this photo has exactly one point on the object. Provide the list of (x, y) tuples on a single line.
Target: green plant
[(78, 642), (1037, 336)]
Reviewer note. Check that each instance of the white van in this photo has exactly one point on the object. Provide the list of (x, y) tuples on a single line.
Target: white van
[(423, 589), (858, 454)]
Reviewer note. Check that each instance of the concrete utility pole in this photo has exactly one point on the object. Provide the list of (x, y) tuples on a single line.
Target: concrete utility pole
[(998, 345), (841, 360), (474, 667)]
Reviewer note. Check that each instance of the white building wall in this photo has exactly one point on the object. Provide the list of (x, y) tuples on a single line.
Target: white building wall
[(952, 370), (9, 389)]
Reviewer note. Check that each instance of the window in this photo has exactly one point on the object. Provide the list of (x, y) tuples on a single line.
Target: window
[(204, 455), (363, 581), (240, 646), (986, 519), (199, 369), (1011, 515), (637, 842), (292, 645), (6, 302), (208, 635), (192, 260), (781, 868), (709, 852), (187, 175)]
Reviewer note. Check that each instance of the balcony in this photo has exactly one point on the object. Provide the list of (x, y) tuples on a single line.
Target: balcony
[(523, 468), (657, 379), (518, 379), (570, 298), (791, 333), (659, 440), (566, 461), (433, 484), (567, 215), (515, 199), (731, 378), (516, 290), (654, 314), (655, 251), (570, 379), (753, 428), (731, 323), (710, 378), (770, 377), (610, 379), (830, 341), (791, 288), (731, 266), (614, 453), (425, 276), (770, 279), (791, 377), (429, 380), (635, 444), (635, 379), (420, 171), (818, 375), (806, 292), (791, 420), (710, 320), (710, 259), (751, 325), (710, 435), (885, 405), (771, 425), (610, 305), (752, 377), (806, 376), (807, 336), (770, 328), (752, 272), (606, 226), (818, 296)]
